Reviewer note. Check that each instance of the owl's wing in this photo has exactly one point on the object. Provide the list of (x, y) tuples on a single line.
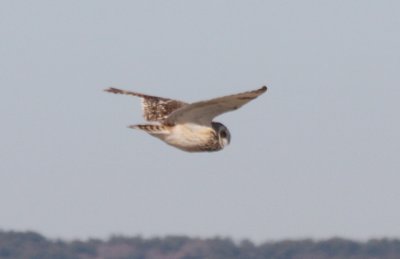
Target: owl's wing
[(154, 108), (205, 111)]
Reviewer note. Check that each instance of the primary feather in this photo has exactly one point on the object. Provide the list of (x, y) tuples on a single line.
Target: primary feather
[(154, 108), (203, 112)]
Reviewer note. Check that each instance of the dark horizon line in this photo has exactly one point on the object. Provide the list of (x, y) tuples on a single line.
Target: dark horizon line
[(38, 234)]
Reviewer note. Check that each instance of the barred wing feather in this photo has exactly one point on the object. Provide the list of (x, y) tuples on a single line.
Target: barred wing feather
[(205, 111)]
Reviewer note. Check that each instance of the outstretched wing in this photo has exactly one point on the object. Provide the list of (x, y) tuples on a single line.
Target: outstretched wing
[(205, 111), (154, 108)]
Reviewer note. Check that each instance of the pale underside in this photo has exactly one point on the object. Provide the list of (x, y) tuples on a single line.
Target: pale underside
[(187, 137)]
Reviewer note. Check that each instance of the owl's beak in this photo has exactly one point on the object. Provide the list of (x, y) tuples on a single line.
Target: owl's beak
[(226, 141)]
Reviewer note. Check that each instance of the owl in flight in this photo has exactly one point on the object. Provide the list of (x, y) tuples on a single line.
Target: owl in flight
[(189, 126)]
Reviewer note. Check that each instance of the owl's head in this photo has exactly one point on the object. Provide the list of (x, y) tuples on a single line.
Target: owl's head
[(223, 134)]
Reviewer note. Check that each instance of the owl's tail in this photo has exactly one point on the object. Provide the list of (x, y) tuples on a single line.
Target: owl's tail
[(152, 128)]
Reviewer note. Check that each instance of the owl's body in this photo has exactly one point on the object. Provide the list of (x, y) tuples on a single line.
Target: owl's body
[(189, 127), (188, 136)]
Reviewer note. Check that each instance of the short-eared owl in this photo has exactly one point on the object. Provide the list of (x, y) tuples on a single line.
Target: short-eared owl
[(189, 127)]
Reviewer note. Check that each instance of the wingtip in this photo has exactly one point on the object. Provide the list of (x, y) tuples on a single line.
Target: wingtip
[(112, 90), (263, 89)]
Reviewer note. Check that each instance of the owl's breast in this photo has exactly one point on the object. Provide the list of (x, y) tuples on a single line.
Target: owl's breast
[(193, 138)]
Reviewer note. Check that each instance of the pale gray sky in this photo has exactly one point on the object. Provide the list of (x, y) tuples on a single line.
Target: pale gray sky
[(316, 156)]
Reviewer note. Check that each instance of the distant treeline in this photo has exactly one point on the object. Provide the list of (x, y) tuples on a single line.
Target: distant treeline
[(21, 245)]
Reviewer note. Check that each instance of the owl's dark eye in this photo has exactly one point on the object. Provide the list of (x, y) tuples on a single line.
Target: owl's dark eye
[(223, 134)]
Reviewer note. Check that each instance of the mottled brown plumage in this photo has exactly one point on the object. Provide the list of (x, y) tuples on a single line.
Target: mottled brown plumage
[(154, 108)]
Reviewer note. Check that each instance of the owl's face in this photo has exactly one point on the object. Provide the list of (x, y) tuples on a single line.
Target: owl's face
[(223, 134)]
